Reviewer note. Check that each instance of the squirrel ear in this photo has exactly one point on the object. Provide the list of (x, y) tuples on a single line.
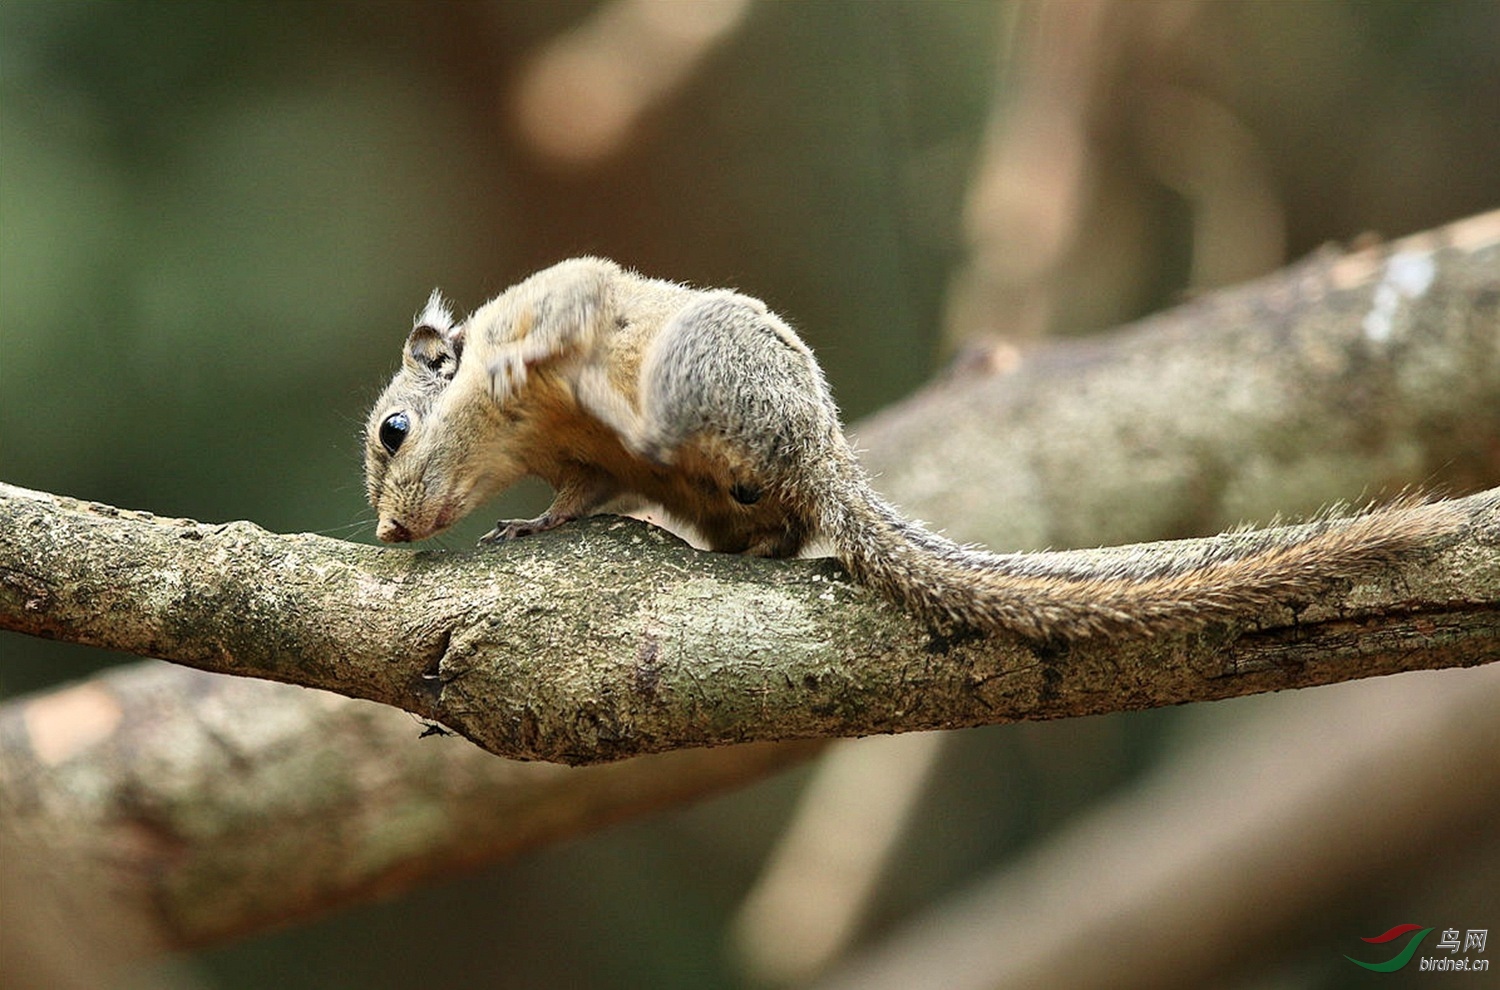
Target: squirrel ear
[(431, 350), (436, 314), (435, 344)]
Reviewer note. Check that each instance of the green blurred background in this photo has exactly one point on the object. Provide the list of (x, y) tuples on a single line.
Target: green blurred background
[(216, 220)]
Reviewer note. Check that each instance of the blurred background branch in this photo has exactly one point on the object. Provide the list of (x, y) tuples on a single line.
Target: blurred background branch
[(1248, 838), (209, 808)]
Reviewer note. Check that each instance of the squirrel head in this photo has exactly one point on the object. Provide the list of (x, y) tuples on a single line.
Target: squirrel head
[(420, 476)]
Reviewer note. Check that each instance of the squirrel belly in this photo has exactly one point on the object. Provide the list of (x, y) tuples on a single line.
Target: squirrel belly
[(619, 389)]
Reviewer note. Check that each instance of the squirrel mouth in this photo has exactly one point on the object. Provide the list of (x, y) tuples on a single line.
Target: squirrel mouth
[(393, 530)]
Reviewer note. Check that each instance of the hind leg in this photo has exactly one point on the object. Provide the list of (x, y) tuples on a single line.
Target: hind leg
[(694, 382), (732, 397), (727, 367)]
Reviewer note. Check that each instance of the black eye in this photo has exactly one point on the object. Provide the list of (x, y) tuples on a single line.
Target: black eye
[(393, 431)]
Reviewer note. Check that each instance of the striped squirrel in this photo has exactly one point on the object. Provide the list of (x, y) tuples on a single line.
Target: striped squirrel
[(622, 391)]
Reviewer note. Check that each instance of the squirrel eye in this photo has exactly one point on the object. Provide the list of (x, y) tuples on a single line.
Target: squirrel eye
[(393, 431)]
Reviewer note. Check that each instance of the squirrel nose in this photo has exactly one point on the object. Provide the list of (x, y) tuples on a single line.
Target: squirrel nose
[(391, 531)]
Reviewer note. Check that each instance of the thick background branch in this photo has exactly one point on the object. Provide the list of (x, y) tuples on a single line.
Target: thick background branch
[(230, 816), (1342, 375)]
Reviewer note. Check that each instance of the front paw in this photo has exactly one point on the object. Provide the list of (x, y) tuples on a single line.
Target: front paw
[(514, 529)]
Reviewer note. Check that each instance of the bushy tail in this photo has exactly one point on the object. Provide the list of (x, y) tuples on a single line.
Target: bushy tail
[(1130, 591)]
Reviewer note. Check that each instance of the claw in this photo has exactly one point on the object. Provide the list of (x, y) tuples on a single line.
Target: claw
[(514, 529)]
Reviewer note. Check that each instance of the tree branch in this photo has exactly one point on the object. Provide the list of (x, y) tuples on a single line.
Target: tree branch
[(611, 639)]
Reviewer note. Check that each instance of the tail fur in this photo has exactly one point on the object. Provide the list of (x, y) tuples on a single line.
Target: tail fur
[(1133, 591)]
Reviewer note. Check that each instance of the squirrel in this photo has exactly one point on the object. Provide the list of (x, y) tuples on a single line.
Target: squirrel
[(621, 391)]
